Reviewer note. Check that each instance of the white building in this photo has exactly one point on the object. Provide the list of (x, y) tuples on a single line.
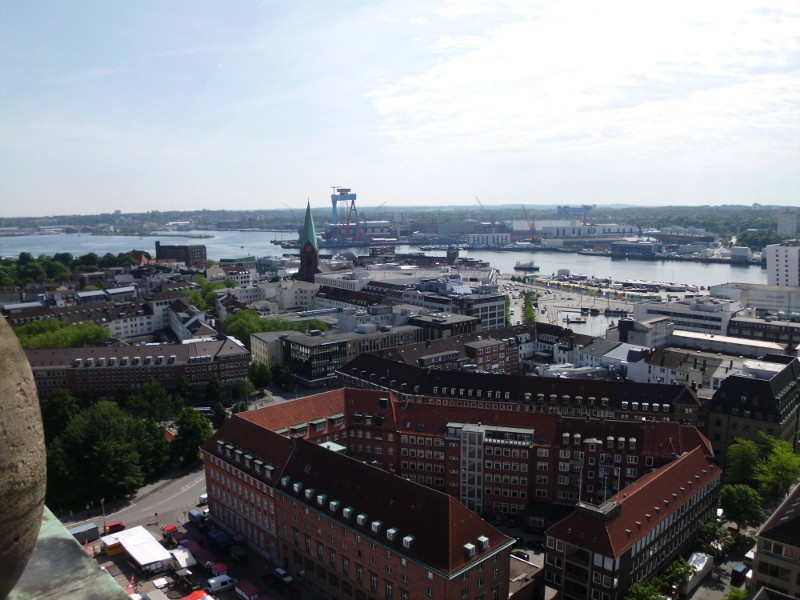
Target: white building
[(784, 300), (787, 224), (482, 240), (724, 344), (704, 315), (783, 263)]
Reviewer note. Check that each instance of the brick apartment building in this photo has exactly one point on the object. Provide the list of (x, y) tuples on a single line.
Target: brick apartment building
[(261, 465), (352, 530), (189, 254), (107, 370), (622, 400), (496, 460), (598, 552), (777, 560), (763, 397)]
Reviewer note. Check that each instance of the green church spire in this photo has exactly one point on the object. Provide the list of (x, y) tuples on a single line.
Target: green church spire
[(309, 232)]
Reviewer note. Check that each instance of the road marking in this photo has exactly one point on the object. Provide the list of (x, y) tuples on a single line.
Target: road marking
[(184, 489)]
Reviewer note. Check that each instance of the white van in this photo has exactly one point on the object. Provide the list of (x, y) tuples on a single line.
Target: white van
[(221, 583)]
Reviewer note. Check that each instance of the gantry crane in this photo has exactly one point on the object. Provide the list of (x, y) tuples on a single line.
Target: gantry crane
[(567, 211)]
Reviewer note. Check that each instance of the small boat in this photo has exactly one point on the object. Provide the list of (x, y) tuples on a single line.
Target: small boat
[(526, 266), (568, 320)]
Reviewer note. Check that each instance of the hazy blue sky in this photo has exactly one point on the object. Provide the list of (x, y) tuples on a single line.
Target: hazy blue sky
[(151, 105)]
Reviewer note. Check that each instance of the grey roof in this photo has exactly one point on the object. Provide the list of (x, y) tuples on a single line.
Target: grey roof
[(600, 347)]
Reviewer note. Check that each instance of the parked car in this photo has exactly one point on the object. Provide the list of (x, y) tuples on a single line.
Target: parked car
[(221, 583), (739, 574), (114, 526), (520, 554), (283, 575)]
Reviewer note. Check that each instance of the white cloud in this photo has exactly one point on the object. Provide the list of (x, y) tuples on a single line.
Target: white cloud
[(631, 79)]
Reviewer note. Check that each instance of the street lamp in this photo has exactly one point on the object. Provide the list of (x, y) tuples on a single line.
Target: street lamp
[(103, 505)]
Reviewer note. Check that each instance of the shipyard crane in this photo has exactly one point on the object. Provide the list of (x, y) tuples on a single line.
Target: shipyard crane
[(484, 215), (566, 211), (534, 236), (293, 211), (531, 222)]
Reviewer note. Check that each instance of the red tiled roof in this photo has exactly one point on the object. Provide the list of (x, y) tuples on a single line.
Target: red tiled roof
[(657, 494), (298, 411), (784, 524)]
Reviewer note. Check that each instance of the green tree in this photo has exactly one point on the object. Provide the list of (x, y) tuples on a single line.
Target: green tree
[(712, 536), (528, 311), (154, 402), (96, 456), (644, 591), (741, 459), (60, 409), (193, 430), (507, 309), (249, 390), (780, 470), (736, 594), (677, 573), (87, 262), (65, 258), (109, 260), (218, 415), (260, 374), (32, 272), (742, 505), (184, 389), (243, 323), (214, 391), (196, 299), (54, 333), (153, 449), (239, 407), (56, 271), (8, 277), (281, 376)]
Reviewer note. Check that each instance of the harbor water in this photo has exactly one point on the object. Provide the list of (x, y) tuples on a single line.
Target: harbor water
[(224, 244)]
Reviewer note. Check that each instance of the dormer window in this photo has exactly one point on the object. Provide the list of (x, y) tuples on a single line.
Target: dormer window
[(361, 519), (391, 534), (469, 550), (376, 526), (408, 541)]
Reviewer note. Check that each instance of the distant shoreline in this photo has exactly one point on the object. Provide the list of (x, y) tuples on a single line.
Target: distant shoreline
[(170, 234)]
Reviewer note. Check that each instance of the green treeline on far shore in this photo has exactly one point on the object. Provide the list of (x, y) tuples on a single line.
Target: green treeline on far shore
[(61, 266)]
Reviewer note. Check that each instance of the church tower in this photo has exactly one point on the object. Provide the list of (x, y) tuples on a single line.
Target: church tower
[(309, 250)]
